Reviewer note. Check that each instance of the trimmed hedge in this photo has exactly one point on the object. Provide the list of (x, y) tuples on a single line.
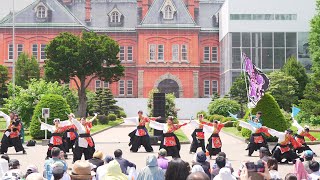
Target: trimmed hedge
[(112, 117), (122, 114), (205, 116), (58, 109), (223, 106), (216, 117), (103, 119)]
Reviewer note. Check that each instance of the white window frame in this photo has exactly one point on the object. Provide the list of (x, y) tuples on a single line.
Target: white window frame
[(208, 88), (122, 53), (212, 88), (105, 85), (10, 52), (212, 54), (115, 17), (35, 49), (175, 52), (130, 87), (129, 54), (19, 49), (158, 52), (41, 12), (184, 55), (97, 85), (206, 51), (121, 87), (152, 52), (43, 52), (168, 12)]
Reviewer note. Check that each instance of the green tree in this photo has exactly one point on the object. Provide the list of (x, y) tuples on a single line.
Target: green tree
[(223, 106), (82, 59), (3, 85), (310, 104), (26, 69), (170, 106), (104, 102), (295, 69), (314, 43), (58, 109), (238, 92), (284, 89), (25, 100)]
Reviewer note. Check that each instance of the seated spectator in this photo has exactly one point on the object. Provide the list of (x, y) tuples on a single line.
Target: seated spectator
[(162, 160), (224, 173), (202, 161), (14, 171), (124, 164), (31, 169), (35, 176), (291, 176), (198, 176), (197, 168), (264, 154), (114, 172), (97, 159), (151, 171), (177, 170), (299, 170), (58, 172), (221, 162), (101, 171), (308, 157), (6, 157), (4, 165), (314, 167), (81, 170), (273, 168), (228, 163), (55, 154)]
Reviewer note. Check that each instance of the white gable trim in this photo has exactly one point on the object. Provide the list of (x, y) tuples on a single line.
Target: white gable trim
[(163, 9)]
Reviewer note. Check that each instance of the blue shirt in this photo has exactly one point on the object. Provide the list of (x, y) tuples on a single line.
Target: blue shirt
[(48, 165)]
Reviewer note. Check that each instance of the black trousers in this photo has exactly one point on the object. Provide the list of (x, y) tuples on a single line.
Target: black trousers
[(7, 142), (213, 151), (173, 151), (290, 155), (78, 151), (137, 141), (303, 148), (252, 146), (196, 143)]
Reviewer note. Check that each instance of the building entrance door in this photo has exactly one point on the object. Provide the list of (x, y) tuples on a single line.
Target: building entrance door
[(169, 86)]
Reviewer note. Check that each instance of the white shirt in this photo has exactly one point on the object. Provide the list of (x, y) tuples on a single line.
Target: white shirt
[(65, 176), (101, 171), (4, 166), (281, 135), (314, 176)]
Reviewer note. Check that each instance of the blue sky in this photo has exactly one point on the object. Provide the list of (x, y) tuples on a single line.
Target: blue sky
[(6, 6)]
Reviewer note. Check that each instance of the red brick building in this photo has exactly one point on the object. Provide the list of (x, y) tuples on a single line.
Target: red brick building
[(171, 45)]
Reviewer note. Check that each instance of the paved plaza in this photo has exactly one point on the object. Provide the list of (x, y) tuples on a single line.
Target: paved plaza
[(117, 138)]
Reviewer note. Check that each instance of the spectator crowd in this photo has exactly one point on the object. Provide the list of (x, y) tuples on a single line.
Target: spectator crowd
[(158, 167)]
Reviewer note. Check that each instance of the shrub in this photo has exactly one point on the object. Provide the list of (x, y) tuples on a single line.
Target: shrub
[(58, 109), (112, 117), (215, 117), (272, 116), (122, 114), (245, 132), (202, 112), (5, 110), (315, 120), (236, 124), (103, 119), (223, 106)]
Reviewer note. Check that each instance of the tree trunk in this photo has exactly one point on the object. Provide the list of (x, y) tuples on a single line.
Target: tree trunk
[(82, 108)]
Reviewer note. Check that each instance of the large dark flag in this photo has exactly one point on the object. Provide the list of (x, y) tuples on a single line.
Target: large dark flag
[(258, 82)]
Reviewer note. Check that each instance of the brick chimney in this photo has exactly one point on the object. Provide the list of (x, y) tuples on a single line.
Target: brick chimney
[(191, 6), (67, 2), (144, 6), (88, 11)]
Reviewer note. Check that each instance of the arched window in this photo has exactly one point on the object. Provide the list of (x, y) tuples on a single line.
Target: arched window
[(115, 17), (168, 12), (41, 12)]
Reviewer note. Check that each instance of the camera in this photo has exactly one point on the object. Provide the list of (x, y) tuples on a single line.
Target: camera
[(255, 167)]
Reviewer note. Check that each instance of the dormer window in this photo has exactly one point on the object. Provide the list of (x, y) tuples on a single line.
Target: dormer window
[(168, 10), (168, 13), (41, 12), (115, 17)]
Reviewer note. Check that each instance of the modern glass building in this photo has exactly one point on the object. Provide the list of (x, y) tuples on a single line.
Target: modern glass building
[(266, 31)]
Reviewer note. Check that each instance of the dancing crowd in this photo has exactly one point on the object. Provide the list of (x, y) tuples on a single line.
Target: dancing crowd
[(75, 135)]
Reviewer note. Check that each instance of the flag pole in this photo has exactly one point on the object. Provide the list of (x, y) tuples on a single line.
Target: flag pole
[(13, 49), (243, 55)]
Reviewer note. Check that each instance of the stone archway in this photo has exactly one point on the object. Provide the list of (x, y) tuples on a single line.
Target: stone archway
[(169, 83)]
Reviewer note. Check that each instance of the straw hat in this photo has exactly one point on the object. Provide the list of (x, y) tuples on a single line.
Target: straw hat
[(81, 169), (98, 155)]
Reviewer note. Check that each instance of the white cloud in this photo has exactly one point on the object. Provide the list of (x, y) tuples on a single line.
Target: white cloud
[(6, 6)]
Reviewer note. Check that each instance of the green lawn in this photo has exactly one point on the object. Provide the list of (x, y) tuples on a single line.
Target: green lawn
[(232, 130)]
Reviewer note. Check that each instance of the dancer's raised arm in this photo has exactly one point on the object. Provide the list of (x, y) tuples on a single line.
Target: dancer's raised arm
[(6, 117), (157, 125), (94, 117)]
